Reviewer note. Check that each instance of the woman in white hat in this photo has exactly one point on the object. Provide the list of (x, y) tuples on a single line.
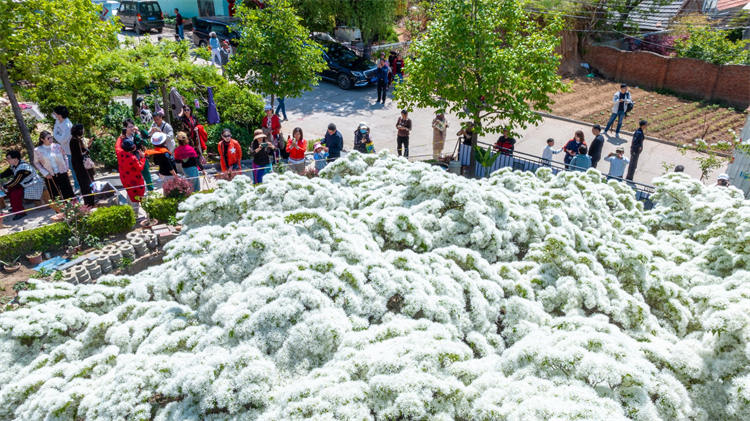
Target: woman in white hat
[(162, 157)]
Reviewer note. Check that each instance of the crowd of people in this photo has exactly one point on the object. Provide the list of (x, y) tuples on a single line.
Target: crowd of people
[(62, 169)]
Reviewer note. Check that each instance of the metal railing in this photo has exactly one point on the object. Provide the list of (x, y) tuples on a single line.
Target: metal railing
[(526, 162)]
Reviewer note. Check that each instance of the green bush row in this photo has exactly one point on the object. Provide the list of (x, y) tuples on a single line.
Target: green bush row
[(46, 238), (161, 208), (101, 223), (110, 220)]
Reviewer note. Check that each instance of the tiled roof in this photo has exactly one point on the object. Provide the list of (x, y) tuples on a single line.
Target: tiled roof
[(650, 17), (730, 4)]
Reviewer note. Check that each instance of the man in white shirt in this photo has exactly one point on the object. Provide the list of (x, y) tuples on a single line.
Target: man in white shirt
[(61, 133), (617, 163), (620, 101), (159, 125)]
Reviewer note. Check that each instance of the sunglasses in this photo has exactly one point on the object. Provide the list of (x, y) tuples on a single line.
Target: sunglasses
[(226, 135)]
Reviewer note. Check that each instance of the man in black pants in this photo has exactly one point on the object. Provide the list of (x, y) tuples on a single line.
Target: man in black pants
[(636, 148), (403, 125), (595, 150), (382, 74)]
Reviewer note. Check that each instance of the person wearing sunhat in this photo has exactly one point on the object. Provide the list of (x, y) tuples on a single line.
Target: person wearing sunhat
[(262, 153), (722, 180), (320, 155), (162, 157)]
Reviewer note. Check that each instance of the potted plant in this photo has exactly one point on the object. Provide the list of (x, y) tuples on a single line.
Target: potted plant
[(35, 258), (12, 265), (147, 203), (485, 158)]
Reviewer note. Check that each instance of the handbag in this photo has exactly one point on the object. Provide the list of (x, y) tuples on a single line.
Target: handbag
[(88, 163)]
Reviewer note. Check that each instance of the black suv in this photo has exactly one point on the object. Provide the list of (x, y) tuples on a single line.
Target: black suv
[(203, 26), (345, 67), (142, 16)]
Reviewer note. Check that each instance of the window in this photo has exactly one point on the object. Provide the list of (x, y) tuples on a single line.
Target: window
[(150, 8), (221, 30)]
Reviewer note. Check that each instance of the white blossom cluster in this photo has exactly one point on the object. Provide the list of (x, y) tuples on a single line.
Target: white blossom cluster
[(388, 290)]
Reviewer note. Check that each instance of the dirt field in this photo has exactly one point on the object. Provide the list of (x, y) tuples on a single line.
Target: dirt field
[(670, 118)]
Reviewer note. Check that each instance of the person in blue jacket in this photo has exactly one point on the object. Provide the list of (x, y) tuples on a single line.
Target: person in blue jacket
[(382, 77), (334, 141), (581, 162)]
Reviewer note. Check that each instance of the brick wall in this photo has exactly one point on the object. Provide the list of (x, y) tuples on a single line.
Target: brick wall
[(696, 78)]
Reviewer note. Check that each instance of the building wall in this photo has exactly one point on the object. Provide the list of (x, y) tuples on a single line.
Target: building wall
[(189, 8), (696, 78)]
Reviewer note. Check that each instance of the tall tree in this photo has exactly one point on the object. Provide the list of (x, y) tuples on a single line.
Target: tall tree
[(372, 17), (39, 34), (164, 64), (484, 60), (274, 55)]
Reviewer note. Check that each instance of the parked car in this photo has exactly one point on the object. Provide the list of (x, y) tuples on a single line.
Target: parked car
[(345, 67), (204, 25), (142, 16)]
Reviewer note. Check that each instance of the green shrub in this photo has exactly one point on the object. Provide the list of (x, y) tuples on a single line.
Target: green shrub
[(239, 133), (101, 223), (161, 208), (102, 151), (110, 220), (116, 113), (46, 238), (239, 105), (708, 44)]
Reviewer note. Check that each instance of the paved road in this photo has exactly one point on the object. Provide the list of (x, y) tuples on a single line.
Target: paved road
[(328, 104)]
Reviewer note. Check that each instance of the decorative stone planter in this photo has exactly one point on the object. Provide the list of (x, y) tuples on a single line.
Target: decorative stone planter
[(69, 275), (139, 245), (81, 273), (150, 239), (104, 263), (92, 266)]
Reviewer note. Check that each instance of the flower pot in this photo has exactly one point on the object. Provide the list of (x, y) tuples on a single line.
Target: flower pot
[(34, 258), (147, 223), (12, 268)]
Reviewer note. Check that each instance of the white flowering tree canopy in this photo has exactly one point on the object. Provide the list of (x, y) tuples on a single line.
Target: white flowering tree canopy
[(389, 290)]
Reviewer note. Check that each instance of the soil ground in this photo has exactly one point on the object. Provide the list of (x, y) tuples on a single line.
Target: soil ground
[(671, 118)]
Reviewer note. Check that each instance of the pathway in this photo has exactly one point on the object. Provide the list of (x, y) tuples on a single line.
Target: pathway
[(329, 104)]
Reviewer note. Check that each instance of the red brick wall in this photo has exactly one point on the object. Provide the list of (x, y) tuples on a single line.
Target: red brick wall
[(730, 84)]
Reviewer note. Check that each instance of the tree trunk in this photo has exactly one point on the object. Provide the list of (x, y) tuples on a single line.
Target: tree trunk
[(165, 104), (17, 112), (474, 139), (273, 97), (133, 100)]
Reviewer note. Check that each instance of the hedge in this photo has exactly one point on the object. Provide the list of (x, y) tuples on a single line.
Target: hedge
[(46, 238), (161, 208), (102, 222), (111, 220)]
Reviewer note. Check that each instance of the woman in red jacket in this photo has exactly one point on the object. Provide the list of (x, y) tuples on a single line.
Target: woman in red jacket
[(296, 146), (131, 163), (230, 152)]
